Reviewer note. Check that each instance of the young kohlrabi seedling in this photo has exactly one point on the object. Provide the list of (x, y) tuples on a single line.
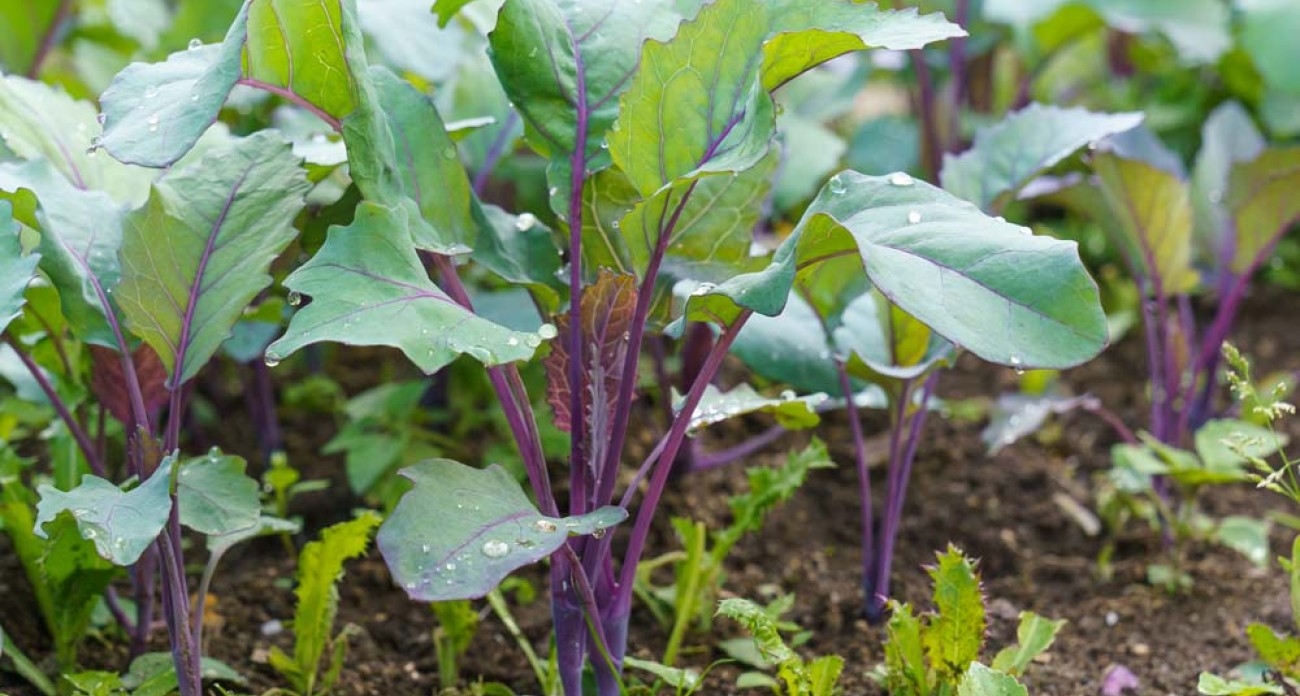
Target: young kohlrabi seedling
[(659, 133)]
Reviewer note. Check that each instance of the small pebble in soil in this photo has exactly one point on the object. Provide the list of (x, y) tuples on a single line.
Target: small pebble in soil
[(1140, 649), (274, 627), (1111, 618), (261, 656)]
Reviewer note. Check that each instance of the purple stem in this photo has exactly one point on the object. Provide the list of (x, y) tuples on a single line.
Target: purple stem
[(176, 610), (578, 478), (47, 40), (144, 577), (864, 484), (672, 443), (268, 422), (711, 460), (74, 427), (495, 152), (513, 398), (900, 470), (627, 383), (929, 115), (957, 68), (290, 95), (114, 604)]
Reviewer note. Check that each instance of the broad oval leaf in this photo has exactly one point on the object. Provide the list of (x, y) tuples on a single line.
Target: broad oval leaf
[(979, 680), (155, 112), (1154, 213), (883, 343), (215, 496), (368, 288), (122, 524), (199, 252), (1263, 204), (461, 530), (699, 102), (81, 232), (1228, 138), (38, 121), (792, 411), (791, 347), (984, 284), (1008, 155), (16, 270)]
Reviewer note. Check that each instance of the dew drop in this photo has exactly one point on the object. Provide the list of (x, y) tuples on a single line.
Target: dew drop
[(512, 341), (1016, 363), (525, 222), (837, 186), (555, 191), (449, 152), (545, 526), (271, 359), (424, 548), (788, 395), (532, 341), (295, 298), (599, 533), (150, 92), (153, 123), (547, 331), (195, 44), (450, 566), (493, 548), (480, 354), (101, 117), (901, 179), (913, 217), (703, 289)]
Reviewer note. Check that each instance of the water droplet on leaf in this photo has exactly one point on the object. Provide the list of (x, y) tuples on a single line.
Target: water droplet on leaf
[(195, 44), (837, 186), (494, 548), (525, 222), (913, 217), (271, 359), (295, 298), (153, 123), (547, 331), (902, 179), (150, 92), (101, 117)]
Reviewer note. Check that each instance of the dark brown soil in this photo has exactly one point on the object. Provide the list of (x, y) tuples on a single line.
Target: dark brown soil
[(1000, 509)]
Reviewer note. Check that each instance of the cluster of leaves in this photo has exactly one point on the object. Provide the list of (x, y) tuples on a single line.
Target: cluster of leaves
[(938, 652)]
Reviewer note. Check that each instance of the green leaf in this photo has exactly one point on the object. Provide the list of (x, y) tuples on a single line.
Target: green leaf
[(1263, 205), (983, 284), (699, 103), (299, 45), (154, 674), (428, 168), (409, 37), (823, 675), (265, 526), (1228, 138), (23, 26), (564, 64), (1282, 653), (38, 121), (983, 681), (81, 232), (1267, 31), (121, 523), (1008, 155), (155, 112), (1015, 416), (1153, 209), (955, 634), (761, 626), (1034, 636), (446, 9), (199, 252), (905, 667), (520, 249), (1214, 685), (1245, 535), (1226, 445), (675, 677), (769, 487), (460, 530), (215, 496), (792, 411), (320, 568), (16, 270), (369, 288), (791, 347), (812, 152), (883, 343)]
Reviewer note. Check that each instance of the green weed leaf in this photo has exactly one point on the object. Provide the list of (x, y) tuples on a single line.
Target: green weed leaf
[(122, 524)]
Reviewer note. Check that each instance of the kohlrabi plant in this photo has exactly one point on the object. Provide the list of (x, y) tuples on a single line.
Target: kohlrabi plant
[(657, 122), (152, 270), (838, 334)]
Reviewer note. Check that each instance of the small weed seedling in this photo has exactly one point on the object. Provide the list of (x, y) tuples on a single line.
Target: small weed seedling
[(938, 652)]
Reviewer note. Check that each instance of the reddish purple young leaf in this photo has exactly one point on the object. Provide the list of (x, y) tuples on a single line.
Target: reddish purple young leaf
[(607, 309), (108, 382)]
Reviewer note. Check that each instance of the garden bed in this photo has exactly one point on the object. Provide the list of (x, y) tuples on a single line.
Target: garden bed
[(999, 509)]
